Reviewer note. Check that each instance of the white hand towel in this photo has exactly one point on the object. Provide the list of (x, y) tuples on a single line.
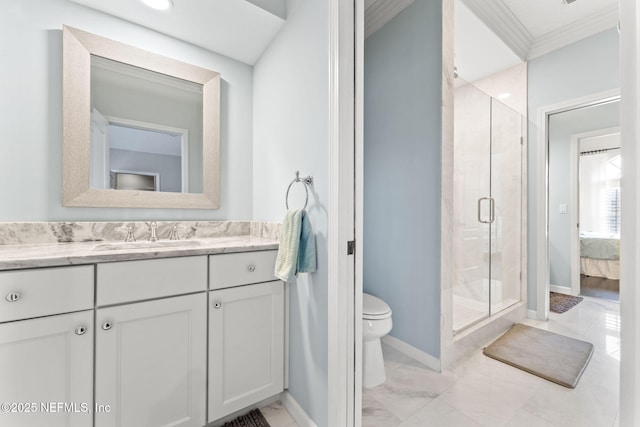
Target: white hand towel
[(287, 260)]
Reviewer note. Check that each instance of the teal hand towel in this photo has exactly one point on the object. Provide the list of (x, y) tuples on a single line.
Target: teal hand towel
[(287, 261), (307, 251)]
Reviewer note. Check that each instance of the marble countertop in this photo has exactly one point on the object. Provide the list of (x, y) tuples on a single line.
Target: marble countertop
[(20, 256)]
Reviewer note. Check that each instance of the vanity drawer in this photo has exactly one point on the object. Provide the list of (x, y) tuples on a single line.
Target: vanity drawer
[(126, 281), (45, 291), (243, 268)]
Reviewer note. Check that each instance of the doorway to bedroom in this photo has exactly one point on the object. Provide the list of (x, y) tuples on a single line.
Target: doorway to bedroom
[(599, 173), (584, 200)]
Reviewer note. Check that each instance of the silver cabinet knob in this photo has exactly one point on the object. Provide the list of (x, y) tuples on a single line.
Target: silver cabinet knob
[(81, 330), (107, 325), (217, 304), (13, 297), (251, 268)]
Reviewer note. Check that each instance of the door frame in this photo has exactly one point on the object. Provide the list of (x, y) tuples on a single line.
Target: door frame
[(630, 227), (574, 208), (542, 193), (346, 38), (342, 345)]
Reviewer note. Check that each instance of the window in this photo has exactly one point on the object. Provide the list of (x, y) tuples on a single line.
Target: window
[(600, 172), (612, 218)]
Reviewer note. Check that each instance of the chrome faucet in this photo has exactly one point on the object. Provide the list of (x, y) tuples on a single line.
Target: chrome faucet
[(152, 228), (174, 233), (130, 237)]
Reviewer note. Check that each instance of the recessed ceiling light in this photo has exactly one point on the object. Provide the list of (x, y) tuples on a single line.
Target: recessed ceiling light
[(159, 4)]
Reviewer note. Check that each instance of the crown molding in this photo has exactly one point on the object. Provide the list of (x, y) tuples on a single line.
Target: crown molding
[(603, 20), (112, 66), (381, 12), (502, 21)]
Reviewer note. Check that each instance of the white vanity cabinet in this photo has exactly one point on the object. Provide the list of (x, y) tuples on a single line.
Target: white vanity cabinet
[(151, 356), (46, 363), (141, 343), (151, 363), (246, 337)]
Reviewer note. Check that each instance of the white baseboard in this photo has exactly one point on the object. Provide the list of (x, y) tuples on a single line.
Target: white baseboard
[(412, 352), (532, 314), (296, 411), (560, 289)]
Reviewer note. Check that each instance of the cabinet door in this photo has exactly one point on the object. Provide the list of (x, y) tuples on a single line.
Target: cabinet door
[(246, 346), (151, 363), (47, 371)]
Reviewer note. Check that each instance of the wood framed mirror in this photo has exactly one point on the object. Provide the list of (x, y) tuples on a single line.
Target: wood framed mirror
[(89, 59)]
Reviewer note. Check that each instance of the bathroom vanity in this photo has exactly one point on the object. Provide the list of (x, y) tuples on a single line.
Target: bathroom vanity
[(170, 335)]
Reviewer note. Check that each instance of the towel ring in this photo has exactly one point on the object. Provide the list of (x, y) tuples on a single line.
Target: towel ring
[(306, 182)]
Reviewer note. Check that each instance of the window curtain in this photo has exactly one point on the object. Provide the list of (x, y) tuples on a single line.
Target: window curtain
[(600, 192)]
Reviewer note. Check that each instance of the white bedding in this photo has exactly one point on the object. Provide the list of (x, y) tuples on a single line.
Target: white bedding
[(600, 245), (600, 267)]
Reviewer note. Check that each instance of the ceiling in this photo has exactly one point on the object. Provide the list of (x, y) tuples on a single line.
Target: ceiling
[(532, 28), (216, 25), (479, 52), (492, 35), (529, 28)]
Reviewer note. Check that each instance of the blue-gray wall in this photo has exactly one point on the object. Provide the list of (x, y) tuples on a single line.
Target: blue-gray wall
[(561, 127), (583, 68), (291, 122), (402, 171), (31, 111)]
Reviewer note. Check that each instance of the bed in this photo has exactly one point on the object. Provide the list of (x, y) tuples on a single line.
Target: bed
[(600, 255)]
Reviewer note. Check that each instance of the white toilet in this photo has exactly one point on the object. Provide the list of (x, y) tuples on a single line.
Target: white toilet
[(376, 323)]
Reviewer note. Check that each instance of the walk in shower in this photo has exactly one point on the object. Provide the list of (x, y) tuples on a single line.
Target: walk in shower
[(488, 181)]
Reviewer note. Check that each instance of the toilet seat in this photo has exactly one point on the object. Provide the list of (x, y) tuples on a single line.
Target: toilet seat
[(374, 308)]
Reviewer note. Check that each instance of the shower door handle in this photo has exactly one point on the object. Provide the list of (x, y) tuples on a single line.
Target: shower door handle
[(492, 210), (492, 207)]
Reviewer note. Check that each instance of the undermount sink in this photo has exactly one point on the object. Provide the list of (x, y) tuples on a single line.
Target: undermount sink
[(115, 246)]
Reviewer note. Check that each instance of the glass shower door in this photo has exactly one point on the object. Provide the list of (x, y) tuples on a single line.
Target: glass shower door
[(506, 192), (487, 206), (472, 160)]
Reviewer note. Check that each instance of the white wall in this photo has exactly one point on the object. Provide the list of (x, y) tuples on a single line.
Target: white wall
[(583, 68), (630, 244), (561, 127), (402, 171), (291, 110), (31, 125)]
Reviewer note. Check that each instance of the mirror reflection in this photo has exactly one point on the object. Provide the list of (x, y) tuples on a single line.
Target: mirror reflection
[(140, 130), (146, 129)]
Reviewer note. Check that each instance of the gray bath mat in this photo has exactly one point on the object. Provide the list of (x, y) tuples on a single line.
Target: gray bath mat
[(559, 303), (251, 419), (550, 356)]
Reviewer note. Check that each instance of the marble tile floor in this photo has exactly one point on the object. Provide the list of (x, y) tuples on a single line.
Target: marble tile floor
[(277, 415), (484, 392)]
